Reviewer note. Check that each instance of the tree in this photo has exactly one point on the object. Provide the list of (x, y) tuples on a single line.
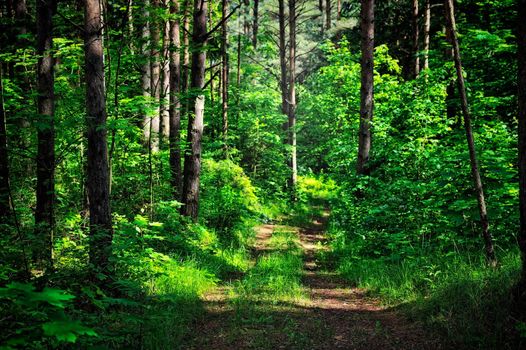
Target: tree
[(175, 102), (165, 81), (5, 202), (255, 25), (225, 67), (521, 42), (283, 57), (101, 231), (488, 241), (291, 109), (416, 38), (146, 71), (427, 29), (192, 159), (366, 92), (45, 188), (155, 69)]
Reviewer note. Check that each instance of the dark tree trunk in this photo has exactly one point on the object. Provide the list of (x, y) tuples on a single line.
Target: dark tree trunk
[(366, 92), (292, 94), (283, 59), (175, 104), (490, 252), (45, 190), (416, 37), (225, 71), (255, 26), (192, 161), (5, 202), (101, 232), (521, 41)]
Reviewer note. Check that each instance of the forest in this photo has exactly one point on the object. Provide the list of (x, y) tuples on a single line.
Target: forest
[(263, 174)]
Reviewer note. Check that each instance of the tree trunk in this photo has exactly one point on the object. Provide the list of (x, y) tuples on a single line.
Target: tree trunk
[(101, 232), (165, 83), (146, 71), (45, 190), (416, 35), (175, 104), (255, 26), (5, 202), (366, 92), (155, 75), (292, 94), (283, 59), (225, 69), (427, 29), (186, 58), (490, 253), (521, 41), (322, 4), (192, 162), (328, 14), (339, 10)]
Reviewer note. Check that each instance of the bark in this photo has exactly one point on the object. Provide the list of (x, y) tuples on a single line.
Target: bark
[(225, 70), (246, 15), (45, 188), (338, 10), (488, 241), (283, 59), (323, 12), (366, 92), (175, 103), (416, 37), (427, 29), (165, 83), (5, 203), (521, 41), (192, 163), (328, 9), (155, 77), (186, 56), (238, 70), (292, 93), (101, 232), (255, 26), (146, 70)]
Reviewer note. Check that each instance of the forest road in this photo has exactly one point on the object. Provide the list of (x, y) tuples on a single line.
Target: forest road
[(329, 315)]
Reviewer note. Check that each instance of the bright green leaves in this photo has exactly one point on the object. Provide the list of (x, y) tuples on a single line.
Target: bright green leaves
[(66, 331)]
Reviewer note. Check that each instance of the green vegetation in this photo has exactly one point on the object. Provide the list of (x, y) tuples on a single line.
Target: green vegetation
[(126, 208)]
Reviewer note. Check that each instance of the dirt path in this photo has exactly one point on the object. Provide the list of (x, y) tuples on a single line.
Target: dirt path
[(330, 315)]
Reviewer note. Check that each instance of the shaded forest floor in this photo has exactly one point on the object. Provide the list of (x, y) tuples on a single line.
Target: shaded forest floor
[(289, 300)]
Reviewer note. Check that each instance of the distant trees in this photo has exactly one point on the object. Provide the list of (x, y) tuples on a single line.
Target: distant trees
[(366, 92), (5, 205)]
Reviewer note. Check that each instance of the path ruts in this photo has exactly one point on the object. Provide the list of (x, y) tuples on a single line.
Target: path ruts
[(332, 316)]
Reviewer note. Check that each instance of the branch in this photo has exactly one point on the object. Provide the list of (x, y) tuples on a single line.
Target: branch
[(218, 25), (210, 80)]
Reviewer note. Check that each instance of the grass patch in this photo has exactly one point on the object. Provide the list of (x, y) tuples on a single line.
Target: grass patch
[(456, 295)]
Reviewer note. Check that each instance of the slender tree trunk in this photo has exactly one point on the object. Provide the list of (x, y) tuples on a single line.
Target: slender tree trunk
[(186, 57), (155, 75), (21, 19), (101, 232), (246, 20), (192, 163), (283, 59), (328, 18), (427, 29), (165, 83), (488, 241), (45, 190), (292, 93), (339, 10), (255, 26), (5, 202), (416, 37), (366, 92), (322, 4), (238, 70), (146, 70), (175, 104), (521, 46), (225, 71)]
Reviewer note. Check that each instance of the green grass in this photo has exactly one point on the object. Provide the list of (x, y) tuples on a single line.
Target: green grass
[(457, 295)]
